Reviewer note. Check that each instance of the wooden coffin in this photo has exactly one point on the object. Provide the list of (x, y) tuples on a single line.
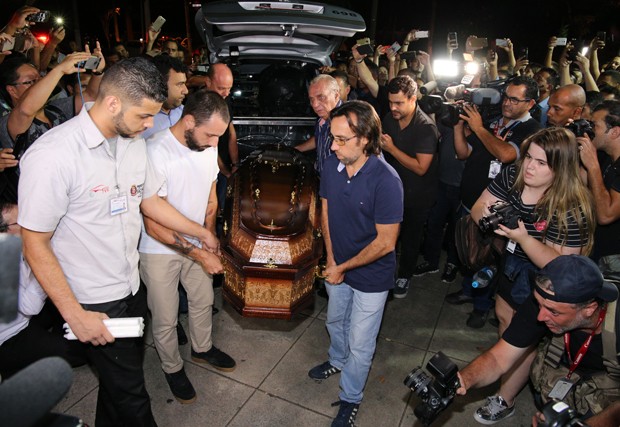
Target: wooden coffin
[(272, 241)]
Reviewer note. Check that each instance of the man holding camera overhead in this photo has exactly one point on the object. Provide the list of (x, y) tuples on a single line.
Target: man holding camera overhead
[(487, 147)]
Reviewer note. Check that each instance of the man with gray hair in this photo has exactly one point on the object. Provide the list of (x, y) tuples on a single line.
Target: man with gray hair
[(81, 190), (324, 95)]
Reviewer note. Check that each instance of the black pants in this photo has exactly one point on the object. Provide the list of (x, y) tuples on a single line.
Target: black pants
[(411, 233), (123, 399)]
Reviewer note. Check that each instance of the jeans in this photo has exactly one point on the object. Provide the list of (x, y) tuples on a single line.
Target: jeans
[(353, 321), (444, 211)]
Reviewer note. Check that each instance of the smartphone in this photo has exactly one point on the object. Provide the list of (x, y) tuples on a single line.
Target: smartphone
[(584, 51), (601, 35), (20, 43), (395, 47), (90, 64), (479, 42), (20, 147), (421, 34), (501, 42), (159, 22), (364, 47), (42, 16), (561, 41), (452, 38), (411, 54), (8, 45), (524, 53)]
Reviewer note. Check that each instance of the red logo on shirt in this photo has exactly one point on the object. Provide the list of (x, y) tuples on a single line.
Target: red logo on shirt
[(540, 225), (100, 189)]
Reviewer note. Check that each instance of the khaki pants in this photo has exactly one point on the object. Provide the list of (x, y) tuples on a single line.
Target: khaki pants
[(161, 274)]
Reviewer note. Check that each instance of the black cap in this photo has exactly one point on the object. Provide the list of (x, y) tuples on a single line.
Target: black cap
[(575, 279)]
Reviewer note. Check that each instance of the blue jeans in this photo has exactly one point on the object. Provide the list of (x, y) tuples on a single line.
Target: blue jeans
[(443, 211), (353, 321)]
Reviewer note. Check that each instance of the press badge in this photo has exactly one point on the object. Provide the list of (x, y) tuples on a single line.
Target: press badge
[(118, 204), (494, 168), (561, 389), (511, 246)]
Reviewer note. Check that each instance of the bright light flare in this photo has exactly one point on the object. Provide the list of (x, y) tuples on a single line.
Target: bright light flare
[(472, 67), (445, 68)]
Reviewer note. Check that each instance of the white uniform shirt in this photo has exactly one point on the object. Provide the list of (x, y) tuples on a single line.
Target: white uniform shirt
[(68, 178), (187, 175)]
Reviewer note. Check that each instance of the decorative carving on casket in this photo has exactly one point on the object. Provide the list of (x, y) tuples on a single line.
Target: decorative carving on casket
[(272, 240)]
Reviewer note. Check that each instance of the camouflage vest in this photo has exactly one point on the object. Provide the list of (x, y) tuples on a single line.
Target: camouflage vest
[(589, 394)]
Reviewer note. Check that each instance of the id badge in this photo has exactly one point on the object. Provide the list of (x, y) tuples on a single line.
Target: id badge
[(494, 168), (561, 389), (511, 246), (119, 204)]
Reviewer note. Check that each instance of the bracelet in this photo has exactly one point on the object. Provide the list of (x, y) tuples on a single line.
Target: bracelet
[(97, 73), (360, 61)]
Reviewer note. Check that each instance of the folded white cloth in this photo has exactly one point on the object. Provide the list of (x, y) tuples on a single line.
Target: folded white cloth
[(122, 327)]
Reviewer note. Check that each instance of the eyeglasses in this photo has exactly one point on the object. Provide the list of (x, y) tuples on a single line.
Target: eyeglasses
[(27, 83), (340, 140), (515, 101)]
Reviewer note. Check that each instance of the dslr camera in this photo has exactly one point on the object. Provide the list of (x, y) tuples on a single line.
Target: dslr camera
[(559, 414), (581, 127), (501, 213), (436, 393)]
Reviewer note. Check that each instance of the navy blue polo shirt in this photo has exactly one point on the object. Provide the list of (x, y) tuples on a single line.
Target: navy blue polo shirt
[(374, 195)]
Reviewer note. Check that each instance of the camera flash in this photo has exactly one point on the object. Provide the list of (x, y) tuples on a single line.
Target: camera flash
[(445, 68), (471, 67), (59, 21)]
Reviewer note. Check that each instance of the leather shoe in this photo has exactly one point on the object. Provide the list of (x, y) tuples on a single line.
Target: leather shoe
[(216, 358), (458, 298), (477, 319)]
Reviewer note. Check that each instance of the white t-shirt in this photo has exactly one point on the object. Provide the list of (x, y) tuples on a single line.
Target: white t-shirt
[(69, 184), (187, 178)]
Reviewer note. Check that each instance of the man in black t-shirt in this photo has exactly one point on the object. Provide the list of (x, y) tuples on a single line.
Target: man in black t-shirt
[(410, 146), (604, 179), (570, 299), (487, 149)]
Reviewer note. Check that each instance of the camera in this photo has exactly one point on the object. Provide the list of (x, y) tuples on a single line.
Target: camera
[(581, 127), (559, 414), (438, 394), (42, 16), (501, 213)]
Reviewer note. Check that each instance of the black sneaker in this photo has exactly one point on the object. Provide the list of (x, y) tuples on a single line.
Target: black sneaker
[(449, 273), (216, 358), (401, 287), (181, 335), (423, 269), (323, 371), (477, 319), (457, 298), (346, 414), (180, 387)]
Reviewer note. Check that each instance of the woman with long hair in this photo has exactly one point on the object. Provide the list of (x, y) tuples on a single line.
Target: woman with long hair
[(556, 218)]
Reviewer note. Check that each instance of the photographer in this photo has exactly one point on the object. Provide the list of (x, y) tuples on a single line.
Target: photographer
[(487, 148), (571, 305), (556, 217)]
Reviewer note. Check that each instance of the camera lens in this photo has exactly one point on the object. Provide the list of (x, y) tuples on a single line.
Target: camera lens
[(418, 381)]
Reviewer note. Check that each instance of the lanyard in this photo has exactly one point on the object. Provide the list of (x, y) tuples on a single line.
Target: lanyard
[(584, 347), (502, 135)]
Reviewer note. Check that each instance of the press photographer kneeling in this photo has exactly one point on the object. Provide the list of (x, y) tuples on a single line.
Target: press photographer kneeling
[(571, 316)]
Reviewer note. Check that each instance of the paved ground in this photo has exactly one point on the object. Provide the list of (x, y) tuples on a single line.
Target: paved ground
[(270, 386)]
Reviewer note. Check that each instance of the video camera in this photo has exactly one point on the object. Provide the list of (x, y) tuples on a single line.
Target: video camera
[(488, 100), (438, 394)]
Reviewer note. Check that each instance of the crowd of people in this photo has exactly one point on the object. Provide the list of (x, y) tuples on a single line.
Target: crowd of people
[(103, 172)]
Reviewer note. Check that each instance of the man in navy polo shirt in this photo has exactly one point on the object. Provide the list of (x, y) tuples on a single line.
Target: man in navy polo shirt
[(362, 207)]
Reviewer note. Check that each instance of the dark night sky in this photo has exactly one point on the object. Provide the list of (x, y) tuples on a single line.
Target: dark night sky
[(526, 22)]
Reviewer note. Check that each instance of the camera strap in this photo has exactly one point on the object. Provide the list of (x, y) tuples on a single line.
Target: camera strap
[(584, 347)]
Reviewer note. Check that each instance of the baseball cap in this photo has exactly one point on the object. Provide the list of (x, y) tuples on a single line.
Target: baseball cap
[(575, 279)]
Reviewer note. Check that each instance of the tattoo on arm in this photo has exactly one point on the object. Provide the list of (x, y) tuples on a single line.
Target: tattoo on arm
[(180, 244)]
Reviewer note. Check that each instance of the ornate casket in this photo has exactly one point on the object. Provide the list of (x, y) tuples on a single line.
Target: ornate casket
[(272, 242)]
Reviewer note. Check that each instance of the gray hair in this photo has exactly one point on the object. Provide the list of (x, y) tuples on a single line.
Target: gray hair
[(330, 82)]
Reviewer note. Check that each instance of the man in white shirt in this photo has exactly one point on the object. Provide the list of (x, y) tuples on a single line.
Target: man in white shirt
[(185, 156), (82, 187)]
